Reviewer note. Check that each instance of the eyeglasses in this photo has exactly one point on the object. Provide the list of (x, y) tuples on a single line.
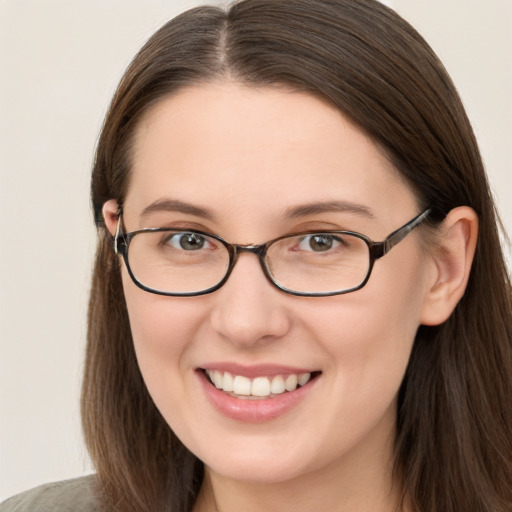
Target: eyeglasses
[(178, 262)]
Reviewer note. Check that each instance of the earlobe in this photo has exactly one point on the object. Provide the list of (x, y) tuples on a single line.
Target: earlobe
[(452, 257), (110, 212)]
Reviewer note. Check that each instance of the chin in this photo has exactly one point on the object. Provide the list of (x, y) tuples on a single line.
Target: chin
[(256, 471), (263, 462)]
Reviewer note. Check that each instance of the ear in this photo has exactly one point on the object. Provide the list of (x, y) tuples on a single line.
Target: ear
[(452, 256), (110, 212)]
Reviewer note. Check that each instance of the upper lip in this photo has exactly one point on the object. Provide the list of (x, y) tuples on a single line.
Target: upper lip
[(257, 370)]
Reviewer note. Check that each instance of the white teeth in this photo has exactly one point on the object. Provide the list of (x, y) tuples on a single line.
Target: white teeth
[(304, 378), (291, 382), (277, 386), (241, 385), (228, 382), (218, 379), (258, 387)]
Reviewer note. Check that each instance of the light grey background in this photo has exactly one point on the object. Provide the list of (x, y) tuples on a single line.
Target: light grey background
[(59, 64)]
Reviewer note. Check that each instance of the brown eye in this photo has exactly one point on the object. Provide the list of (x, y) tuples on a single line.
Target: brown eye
[(187, 241), (317, 243)]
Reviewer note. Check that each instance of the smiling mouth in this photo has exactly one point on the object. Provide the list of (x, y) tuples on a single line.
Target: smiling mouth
[(259, 388)]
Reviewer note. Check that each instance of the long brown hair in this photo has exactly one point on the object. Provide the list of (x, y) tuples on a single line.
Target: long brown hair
[(453, 449)]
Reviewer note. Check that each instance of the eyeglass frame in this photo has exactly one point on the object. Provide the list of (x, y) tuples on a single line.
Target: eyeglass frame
[(376, 250)]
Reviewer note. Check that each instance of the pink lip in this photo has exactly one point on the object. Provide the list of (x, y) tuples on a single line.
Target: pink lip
[(253, 411), (253, 371)]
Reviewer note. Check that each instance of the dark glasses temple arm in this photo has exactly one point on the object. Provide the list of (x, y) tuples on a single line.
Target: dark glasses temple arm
[(118, 234), (401, 233), (379, 249)]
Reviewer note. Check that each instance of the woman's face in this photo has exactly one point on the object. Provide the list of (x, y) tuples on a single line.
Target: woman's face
[(256, 164)]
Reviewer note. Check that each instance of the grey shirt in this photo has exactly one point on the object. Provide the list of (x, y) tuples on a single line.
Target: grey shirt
[(77, 495)]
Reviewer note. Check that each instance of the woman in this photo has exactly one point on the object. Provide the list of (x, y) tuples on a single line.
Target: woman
[(335, 373)]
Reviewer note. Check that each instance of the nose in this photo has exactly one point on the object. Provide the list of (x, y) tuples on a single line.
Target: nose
[(248, 309)]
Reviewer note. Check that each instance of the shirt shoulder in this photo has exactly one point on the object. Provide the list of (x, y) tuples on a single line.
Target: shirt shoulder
[(76, 495)]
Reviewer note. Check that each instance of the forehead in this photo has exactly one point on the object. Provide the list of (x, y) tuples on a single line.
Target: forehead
[(239, 149)]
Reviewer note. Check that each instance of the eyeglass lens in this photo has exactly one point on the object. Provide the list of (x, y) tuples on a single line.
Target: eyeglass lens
[(187, 262)]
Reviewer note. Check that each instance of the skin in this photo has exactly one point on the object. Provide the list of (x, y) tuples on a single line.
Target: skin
[(248, 155)]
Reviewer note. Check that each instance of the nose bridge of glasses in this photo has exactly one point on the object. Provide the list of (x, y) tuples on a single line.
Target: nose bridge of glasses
[(258, 250)]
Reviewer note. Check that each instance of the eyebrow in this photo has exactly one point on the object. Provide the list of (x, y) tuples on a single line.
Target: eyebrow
[(174, 205), (328, 206)]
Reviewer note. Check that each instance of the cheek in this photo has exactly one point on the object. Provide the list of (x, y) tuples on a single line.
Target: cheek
[(162, 330), (157, 322), (369, 351), (369, 334)]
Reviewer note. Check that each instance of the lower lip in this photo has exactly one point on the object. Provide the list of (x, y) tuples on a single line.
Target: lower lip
[(253, 411)]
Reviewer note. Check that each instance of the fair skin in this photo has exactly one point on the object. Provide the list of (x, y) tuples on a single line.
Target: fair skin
[(248, 156)]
